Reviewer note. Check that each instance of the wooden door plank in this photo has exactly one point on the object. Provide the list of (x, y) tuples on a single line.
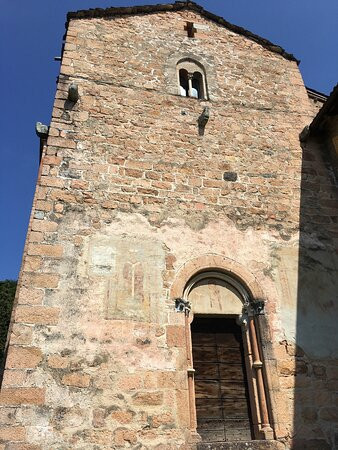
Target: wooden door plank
[(220, 386), (205, 339), (228, 340), (229, 355), (231, 372), (206, 371), (203, 354), (207, 389), (209, 408)]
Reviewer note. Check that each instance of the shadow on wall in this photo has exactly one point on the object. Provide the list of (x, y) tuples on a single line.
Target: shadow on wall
[(316, 351)]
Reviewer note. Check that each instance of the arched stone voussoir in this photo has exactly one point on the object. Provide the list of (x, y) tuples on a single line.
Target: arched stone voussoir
[(221, 263)]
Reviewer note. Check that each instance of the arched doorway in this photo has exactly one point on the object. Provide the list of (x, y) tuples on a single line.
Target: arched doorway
[(221, 388), (227, 387)]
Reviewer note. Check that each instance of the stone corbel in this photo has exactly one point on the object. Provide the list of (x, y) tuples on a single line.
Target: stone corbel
[(42, 132), (203, 120), (73, 93)]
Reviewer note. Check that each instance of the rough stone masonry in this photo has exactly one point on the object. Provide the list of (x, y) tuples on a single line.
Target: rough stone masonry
[(129, 195)]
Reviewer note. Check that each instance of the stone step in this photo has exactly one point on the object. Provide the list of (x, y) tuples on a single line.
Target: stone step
[(247, 445)]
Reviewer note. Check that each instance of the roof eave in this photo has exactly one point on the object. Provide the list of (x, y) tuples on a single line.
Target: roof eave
[(329, 105)]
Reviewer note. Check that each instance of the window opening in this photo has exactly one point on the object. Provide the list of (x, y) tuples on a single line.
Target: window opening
[(184, 85), (221, 388), (191, 78), (197, 85)]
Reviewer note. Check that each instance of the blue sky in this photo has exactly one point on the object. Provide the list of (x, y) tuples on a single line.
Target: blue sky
[(31, 35)]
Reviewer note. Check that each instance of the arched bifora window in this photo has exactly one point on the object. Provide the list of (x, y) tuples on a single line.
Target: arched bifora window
[(227, 390), (191, 79)]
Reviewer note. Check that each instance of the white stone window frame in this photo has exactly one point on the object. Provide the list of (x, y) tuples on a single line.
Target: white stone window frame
[(192, 66)]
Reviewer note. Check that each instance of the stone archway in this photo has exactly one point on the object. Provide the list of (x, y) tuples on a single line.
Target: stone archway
[(239, 295), (219, 263)]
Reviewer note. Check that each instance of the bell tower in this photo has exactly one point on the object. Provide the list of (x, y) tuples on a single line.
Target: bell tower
[(157, 299)]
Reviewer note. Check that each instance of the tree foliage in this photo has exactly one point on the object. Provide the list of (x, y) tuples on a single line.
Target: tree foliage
[(7, 294)]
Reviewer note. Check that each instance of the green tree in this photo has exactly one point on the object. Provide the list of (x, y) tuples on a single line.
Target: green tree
[(7, 294)]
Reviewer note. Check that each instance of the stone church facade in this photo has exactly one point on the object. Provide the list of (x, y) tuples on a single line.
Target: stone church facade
[(179, 280)]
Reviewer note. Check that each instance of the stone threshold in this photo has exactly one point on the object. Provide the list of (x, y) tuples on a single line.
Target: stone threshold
[(244, 445)]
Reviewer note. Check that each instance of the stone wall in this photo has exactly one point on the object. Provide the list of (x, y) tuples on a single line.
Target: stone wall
[(315, 391), (129, 191), (316, 103)]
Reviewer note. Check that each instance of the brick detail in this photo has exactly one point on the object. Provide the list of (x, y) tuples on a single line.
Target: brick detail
[(55, 251), (21, 334), (44, 205), (44, 225), (22, 396), (23, 357), (60, 142), (123, 417), (12, 433), (148, 398), (42, 315), (23, 446), (30, 296), (40, 280), (58, 362), (76, 379), (52, 181), (14, 378)]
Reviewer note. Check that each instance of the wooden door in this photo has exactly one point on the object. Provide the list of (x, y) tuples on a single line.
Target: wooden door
[(222, 401)]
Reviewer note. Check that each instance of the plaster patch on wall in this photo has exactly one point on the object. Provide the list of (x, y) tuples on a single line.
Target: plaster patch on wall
[(212, 296), (101, 260), (287, 283), (200, 26), (133, 268)]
